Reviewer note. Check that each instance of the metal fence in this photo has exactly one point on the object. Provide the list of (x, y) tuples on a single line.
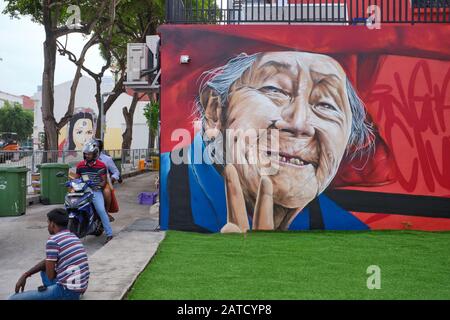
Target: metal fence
[(307, 11), (129, 159)]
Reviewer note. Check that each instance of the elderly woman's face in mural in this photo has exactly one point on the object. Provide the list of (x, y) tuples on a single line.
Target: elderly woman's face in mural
[(82, 132), (304, 96)]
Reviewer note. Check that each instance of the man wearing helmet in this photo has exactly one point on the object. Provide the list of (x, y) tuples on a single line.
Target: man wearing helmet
[(96, 170)]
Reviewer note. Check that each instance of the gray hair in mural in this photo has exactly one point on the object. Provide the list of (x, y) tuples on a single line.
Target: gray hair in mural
[(361, 141)]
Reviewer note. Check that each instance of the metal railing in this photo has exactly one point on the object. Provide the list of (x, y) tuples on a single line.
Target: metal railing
[(129, 159), (306, 11)]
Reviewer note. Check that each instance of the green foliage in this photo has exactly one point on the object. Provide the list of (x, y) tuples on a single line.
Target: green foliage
[(14, 118), (134, 20), (297, 265), (31, 8), (151, 113), (34, 9), (202, 11)]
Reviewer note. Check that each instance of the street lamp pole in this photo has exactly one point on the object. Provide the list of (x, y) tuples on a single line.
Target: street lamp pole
[(102, 114)]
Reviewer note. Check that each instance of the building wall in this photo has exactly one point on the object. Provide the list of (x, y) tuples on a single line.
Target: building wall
[(4, 96), (394, 178), (85, 102)]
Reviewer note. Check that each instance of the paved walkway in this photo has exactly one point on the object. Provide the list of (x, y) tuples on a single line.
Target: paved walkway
[(114, 267)]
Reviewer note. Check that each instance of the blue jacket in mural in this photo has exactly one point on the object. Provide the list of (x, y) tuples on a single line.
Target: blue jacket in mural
[(193, 199)]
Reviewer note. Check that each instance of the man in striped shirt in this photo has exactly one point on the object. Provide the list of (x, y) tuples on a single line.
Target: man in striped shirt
[(64, 271)]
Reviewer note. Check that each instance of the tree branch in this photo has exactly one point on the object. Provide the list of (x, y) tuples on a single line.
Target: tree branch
[(76, 79), (123, 29), (87, 27), (118, 90)]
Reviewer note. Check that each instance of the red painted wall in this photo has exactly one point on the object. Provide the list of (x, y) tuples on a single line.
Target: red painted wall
[(402, 73)]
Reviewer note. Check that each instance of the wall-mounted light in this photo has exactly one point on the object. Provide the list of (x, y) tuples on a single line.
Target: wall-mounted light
[(184, 59)]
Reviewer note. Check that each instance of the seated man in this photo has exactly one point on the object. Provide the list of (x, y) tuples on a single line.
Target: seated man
[(65, 271), (96, 170), (112, 171)]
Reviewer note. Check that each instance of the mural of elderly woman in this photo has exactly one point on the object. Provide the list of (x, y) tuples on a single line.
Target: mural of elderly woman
[(309, 101)]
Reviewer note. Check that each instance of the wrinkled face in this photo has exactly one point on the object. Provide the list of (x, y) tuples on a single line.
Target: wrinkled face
[(303, 96), (82, 132)]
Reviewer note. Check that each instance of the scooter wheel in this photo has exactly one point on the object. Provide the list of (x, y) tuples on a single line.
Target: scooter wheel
[(98, 233), (98, 230), (74, 227)]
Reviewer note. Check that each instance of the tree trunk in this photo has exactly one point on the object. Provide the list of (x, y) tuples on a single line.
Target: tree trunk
[(50, 125), (118, 90), (98, 94), (127, 136), (151, 132), (152, 144), (152, 138)]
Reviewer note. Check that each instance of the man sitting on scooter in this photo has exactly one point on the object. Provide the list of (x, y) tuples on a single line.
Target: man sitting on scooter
[(96, 171), (112, 171)]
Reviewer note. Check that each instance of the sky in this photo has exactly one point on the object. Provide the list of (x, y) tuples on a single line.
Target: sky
[(22, 58)]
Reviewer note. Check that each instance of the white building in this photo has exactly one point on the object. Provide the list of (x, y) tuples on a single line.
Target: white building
[(85, 100), (25, 101), (9, 97)]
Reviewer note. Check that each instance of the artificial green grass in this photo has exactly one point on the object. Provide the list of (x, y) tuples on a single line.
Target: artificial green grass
[(297, 265)]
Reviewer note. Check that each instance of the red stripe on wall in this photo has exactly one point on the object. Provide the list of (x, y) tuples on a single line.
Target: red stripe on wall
[(378, 221)]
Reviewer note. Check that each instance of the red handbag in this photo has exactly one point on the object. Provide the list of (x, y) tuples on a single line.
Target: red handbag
[(114, 207)]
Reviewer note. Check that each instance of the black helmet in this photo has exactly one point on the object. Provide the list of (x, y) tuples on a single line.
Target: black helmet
[(91, 147)]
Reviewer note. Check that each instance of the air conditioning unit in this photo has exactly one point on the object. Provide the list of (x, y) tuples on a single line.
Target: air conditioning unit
[(143, 70), (137, 60), (152, 44)]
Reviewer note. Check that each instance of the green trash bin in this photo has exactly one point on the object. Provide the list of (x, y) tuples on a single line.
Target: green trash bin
[(13, 191), (53, 189), (118, 163)]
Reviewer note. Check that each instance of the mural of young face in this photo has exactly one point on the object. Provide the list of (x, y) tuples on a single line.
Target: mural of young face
[(82, 132), (304, 96)]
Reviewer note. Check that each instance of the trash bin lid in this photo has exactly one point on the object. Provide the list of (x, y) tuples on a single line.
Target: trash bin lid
[(14, 169), (54, 165)]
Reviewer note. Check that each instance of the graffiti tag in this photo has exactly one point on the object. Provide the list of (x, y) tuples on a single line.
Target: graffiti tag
[(414, 117)]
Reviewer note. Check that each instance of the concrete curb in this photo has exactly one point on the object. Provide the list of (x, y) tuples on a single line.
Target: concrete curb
[(134, 173), (115, 267)]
